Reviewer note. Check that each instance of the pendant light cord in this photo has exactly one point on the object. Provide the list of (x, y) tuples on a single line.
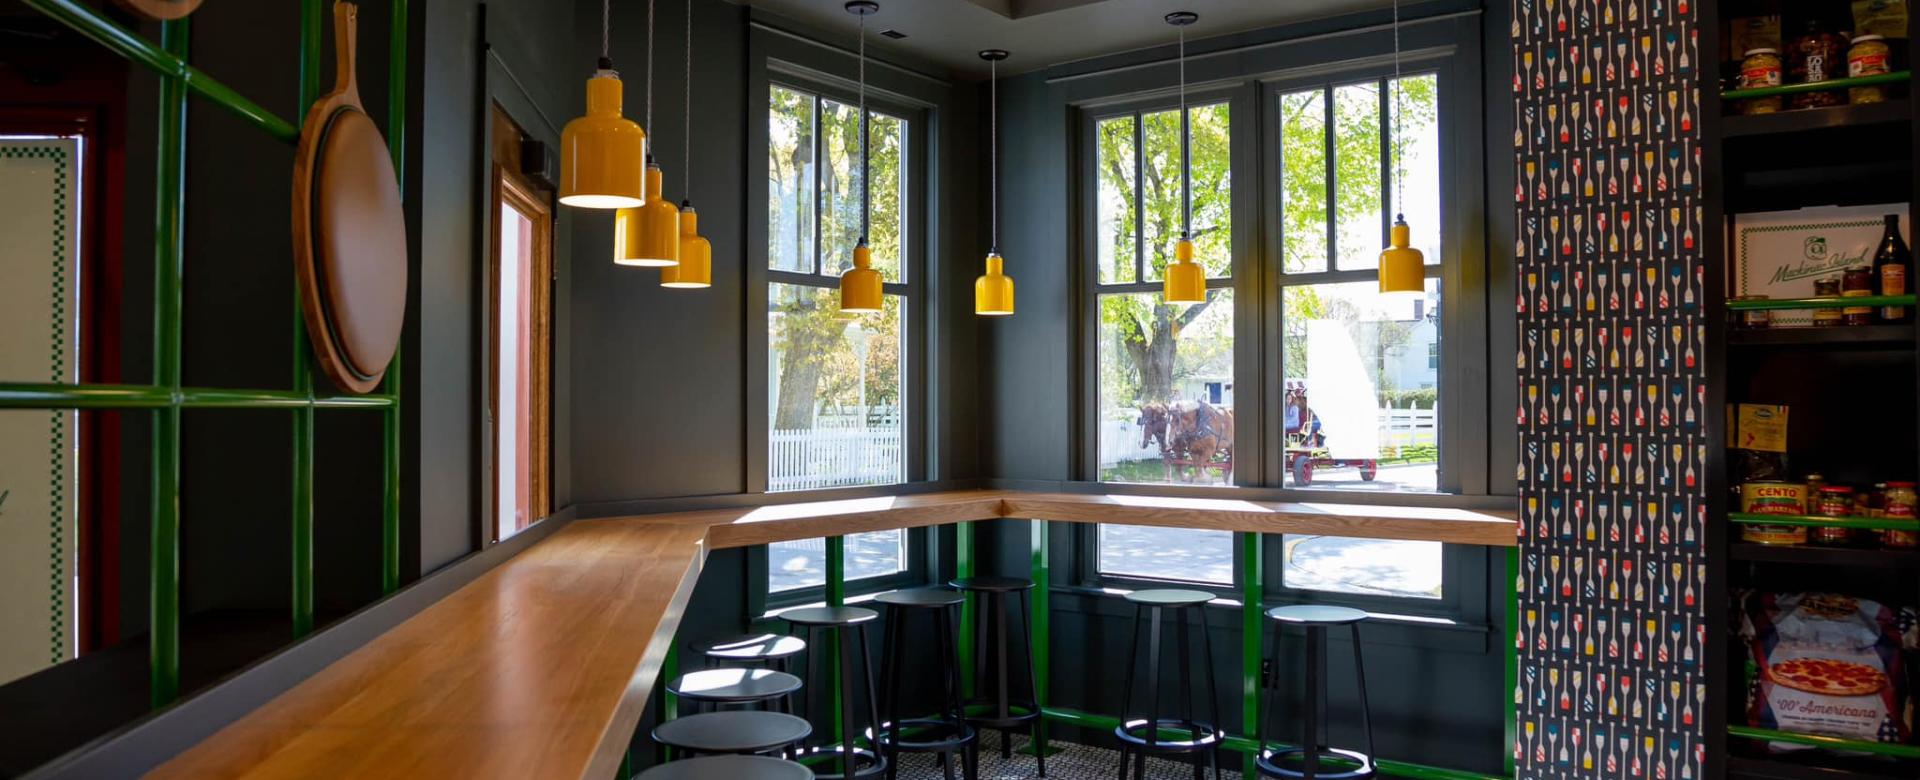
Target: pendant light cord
[(1393, 126), (993, 155), (866, 151), (1186, 164), (686, 134), (649, 127), (606, 27)]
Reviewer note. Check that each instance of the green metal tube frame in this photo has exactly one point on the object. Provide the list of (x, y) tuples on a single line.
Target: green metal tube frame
[(166, 396)]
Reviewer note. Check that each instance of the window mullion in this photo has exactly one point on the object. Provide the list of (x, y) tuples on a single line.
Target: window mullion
[(1333, 184), (1139, 201), (1386, 164), (819, 185)]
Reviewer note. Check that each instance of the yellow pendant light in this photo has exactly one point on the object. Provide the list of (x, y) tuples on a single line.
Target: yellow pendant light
[(648, 235), (860, 286), (993, 291), (1184, 281), (696, 253), (1403, 269), (600, 152)]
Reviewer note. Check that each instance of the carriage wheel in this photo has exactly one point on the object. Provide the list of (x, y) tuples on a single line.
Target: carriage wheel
[(1368, 469), (1302, 470)]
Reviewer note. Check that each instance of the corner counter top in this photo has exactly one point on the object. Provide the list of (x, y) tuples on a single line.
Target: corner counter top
[(542, 666)]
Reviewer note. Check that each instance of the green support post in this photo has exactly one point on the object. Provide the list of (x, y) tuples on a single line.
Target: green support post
[(312, 17), (836, 587), (965, 566), (169, 269), (398, 26), (1042, 639), (1253, 599)]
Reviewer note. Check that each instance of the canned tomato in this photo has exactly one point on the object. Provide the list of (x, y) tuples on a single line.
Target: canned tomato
[(1767, 497), (1898, 503)]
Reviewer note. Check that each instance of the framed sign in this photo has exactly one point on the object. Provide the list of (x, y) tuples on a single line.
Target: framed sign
[(1779, 254)]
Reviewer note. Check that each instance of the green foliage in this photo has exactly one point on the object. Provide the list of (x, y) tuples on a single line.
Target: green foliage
[(1423, 397)]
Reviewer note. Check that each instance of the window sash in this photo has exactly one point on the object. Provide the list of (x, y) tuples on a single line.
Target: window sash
[(818, 275), (1140, 246)]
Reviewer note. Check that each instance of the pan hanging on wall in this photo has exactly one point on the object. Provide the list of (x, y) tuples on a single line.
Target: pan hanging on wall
[(349, 232)]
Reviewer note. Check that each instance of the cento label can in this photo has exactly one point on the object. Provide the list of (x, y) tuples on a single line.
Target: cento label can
[(1773, 498)]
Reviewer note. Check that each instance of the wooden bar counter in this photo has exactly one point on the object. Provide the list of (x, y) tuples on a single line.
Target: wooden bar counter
[(542, 666)]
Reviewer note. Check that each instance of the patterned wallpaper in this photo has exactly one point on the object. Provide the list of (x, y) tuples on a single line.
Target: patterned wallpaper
[(1612, 385)]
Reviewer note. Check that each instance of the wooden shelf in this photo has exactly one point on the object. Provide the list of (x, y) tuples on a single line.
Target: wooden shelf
[(1856, 336), (1815, 119), (1816, 555)]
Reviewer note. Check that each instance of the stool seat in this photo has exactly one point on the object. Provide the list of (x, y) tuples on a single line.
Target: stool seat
[(1170, 597), (921, 598), (1316, 615), (733, 686), (992, 584), (731, 767), (733, 732), (752, 647), (830, 616)]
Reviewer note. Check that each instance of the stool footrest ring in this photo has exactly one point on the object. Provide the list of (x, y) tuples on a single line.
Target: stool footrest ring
[(952, 734), (867, 763), (1270, 764), (1202, 735)]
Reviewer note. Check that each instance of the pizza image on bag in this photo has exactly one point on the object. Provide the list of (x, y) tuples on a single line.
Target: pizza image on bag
[(1825, 664)]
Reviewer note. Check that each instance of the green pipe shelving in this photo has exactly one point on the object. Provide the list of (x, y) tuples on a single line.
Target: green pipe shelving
[(1896, 77), (1821, 521), (1815, 740), (166, 396), (1774, 304)]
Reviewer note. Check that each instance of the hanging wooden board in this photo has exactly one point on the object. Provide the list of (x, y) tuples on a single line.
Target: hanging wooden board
[(349, 232), (160, 10)]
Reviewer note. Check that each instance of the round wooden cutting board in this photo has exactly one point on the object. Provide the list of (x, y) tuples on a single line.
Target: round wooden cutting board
[(349, 232)]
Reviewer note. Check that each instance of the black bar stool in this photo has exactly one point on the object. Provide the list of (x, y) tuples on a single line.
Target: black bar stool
[(1002, 713), (736, 732), (1141, 736), (772, 650), (730, 767), (946, 731), (850, 625), (1313, 746), (719, 688)]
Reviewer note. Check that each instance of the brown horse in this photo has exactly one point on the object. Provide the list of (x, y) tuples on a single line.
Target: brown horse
[(1191, 434)]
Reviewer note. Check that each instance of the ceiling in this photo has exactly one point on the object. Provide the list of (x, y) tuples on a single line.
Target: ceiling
[(1040, 33)]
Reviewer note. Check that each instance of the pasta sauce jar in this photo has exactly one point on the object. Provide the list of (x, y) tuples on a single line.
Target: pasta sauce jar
[(1835, 501), (1898, 504)]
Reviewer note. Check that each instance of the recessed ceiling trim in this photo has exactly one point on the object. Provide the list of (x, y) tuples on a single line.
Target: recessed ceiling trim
[(1097, 72)]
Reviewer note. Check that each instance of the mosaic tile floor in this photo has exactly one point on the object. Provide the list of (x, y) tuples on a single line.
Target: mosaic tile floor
[(1073, 762)]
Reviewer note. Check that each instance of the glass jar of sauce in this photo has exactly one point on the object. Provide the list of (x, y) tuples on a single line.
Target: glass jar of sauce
[(1761, 68), (1868, 56), (1835, 501), (1898, 504), (1826, 288), (1816, 56), (1857, 282)]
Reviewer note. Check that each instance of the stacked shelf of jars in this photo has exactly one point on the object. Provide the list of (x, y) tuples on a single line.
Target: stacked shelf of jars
[(1794, 56)]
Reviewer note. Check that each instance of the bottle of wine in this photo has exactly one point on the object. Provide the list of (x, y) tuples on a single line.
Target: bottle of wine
[(1890, 265)]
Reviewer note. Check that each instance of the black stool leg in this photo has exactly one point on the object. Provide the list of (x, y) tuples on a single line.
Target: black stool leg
[(890, 672), (1126, 708), (1001, 699), (1213, 698), (1033, 687), (1186, 682), (1310, 736), (873, 695), (1153, 692), (1360, 675), (847, 762)]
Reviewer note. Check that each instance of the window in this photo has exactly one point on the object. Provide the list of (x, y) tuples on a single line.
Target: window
[(519, 317), (1360, 400), (1164, 384), (836, 383)]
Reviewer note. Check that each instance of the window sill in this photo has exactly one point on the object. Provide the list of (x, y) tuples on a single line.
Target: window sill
[(1223, 613)]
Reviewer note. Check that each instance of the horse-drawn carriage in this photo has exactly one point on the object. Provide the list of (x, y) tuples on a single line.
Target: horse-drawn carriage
[(1195, 438), (1307, 444)]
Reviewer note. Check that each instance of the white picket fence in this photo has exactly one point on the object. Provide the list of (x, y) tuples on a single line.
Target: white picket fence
[(810, 459)]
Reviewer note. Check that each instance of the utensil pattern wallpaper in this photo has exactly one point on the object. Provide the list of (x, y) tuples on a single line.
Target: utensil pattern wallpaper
[(1612, 387)]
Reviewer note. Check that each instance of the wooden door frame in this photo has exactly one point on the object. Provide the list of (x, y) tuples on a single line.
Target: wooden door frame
[(510, 188)]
